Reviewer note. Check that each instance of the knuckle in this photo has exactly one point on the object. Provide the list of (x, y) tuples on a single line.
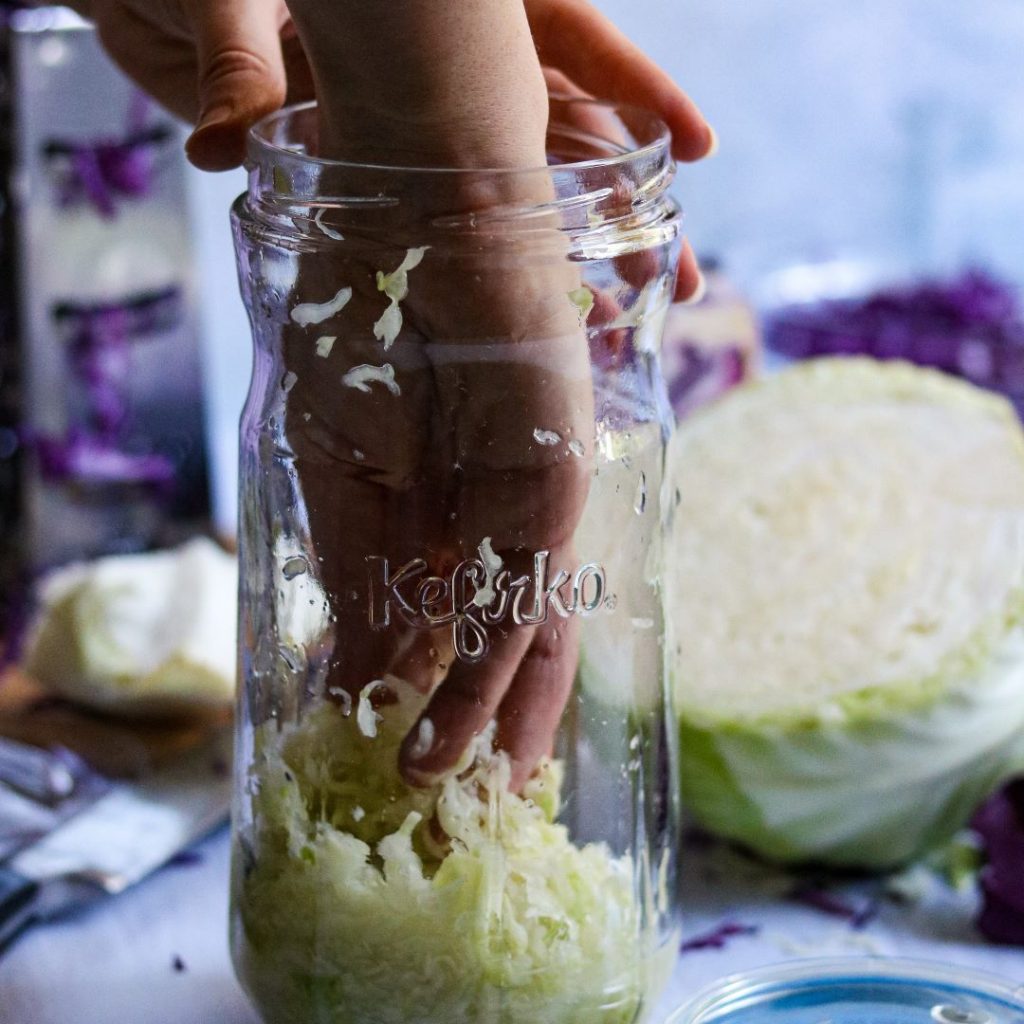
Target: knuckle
[(230, 64)]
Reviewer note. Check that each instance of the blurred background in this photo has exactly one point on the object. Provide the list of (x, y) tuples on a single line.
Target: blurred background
[(867, 198), (880, 132), (891, 129), (888, 132)]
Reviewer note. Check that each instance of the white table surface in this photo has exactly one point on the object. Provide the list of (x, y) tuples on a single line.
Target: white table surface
[(114, 964)]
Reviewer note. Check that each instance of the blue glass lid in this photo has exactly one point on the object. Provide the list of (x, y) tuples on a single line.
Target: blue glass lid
[(858, 990)]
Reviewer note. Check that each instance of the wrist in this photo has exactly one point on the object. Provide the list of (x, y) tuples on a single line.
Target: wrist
[(426, 83), (473, 135)]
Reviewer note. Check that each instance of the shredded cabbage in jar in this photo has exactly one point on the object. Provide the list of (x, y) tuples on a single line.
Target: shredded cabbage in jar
[(360, 900)]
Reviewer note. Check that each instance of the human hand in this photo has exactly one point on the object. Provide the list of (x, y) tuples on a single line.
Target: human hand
[(451, 460), (225, 65), (444, 467)]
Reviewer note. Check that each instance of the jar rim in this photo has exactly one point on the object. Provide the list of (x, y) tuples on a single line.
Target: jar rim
[(740, 992), (261, 143), (614, 200)]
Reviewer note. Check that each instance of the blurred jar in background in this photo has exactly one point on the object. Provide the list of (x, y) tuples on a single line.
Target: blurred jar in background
[(102, 445)]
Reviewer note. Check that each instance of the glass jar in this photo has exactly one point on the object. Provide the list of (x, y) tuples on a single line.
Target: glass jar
[(456, 778)]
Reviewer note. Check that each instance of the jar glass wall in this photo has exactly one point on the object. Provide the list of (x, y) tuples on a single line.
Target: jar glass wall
[(456, 777)]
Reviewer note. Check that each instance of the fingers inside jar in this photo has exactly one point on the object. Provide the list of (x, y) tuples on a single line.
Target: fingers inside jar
[(440, 408)]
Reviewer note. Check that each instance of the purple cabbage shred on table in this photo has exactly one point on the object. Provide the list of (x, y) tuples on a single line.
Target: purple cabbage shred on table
[(719, 937), (185, 859), (859, 915), (1000, 824), (971, 325)]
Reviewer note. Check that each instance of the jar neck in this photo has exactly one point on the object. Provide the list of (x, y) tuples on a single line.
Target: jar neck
[(608, 174)]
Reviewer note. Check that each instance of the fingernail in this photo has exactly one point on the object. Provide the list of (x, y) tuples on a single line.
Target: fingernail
[(699, 292), (217, 142), (209, 117), (423, 743), (713, 148)]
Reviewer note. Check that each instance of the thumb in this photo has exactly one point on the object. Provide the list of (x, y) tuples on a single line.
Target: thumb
[(241, 76)]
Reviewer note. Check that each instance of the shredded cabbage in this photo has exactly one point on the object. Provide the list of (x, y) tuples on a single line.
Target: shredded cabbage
[(492, 566), (306, 313), (351, 909), (388, 327), (360, 377), (583, 300), (395, 285), (318, 219), (366, 717), (548, 437)]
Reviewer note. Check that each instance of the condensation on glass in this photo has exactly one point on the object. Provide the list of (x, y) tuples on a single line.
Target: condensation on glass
[(455, 762)]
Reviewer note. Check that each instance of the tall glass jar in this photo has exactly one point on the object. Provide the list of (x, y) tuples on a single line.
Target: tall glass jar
[(455, 760)]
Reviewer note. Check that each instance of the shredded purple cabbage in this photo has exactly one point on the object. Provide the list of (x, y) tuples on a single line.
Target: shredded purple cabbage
[(828, 902), (102, 171), (98, 340), (706, 374), (1000, 824), (971, 325), (718, 938), (83, 458), (185, 859)]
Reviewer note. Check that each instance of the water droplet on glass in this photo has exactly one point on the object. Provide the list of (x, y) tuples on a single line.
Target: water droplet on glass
[(640, 501), (294, 566), (610, 602), (548, 437), (291, 657), (576, 447), (288, 381)]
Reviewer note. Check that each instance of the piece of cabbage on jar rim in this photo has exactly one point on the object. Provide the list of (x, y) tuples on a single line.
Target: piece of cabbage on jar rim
[(845, 593)]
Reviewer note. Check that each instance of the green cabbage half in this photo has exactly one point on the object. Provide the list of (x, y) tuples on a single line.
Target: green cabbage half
[(350, 910), (845, 594)]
